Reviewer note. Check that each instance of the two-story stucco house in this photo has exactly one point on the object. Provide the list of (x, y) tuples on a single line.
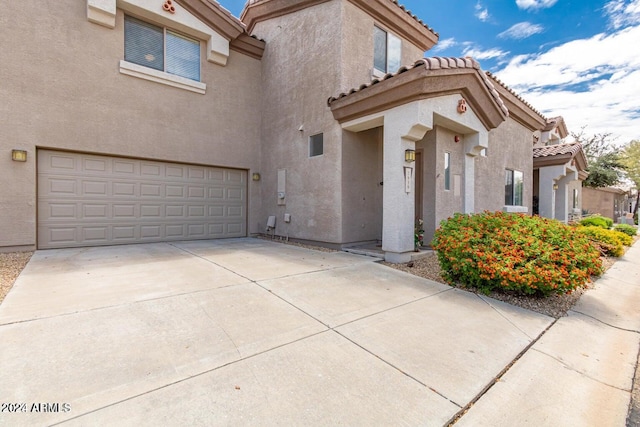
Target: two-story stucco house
[(160, 120)]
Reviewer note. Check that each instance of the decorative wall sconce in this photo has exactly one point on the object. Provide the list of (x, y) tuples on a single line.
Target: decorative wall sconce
[(456, 138), (255, 176), (19, 155), (555, 186), (409, 156)]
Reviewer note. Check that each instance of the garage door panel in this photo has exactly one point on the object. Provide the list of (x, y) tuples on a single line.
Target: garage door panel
[(235, 176), (124, 167), (95, 165), (61, 186), (150, 170), (96, 234), (124, 211), (89, 200), (61, 161)]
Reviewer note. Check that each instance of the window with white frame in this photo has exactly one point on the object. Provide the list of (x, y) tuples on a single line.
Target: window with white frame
[(513, 187), (161, 49), (576, 202), (387, 51)]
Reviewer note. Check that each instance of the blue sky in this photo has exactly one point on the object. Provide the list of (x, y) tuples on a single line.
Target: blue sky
[(576, 58)]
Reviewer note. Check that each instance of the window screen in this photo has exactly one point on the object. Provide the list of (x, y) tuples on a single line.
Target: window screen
[(316, 145), (143, 44)]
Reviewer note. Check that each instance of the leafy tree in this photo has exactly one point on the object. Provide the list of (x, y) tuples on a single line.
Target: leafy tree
[(605, 162), (631, 160)]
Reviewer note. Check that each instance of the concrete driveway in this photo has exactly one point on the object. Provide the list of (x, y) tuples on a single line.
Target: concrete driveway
[(245, 332)]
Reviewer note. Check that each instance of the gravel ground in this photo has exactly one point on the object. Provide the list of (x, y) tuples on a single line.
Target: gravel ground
[(11, 265)]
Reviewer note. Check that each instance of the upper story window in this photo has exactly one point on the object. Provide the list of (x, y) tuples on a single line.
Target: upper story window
[(387, 51), (513, 187), (161, 49)]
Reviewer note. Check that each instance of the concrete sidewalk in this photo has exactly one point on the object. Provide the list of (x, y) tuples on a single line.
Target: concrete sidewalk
[(250, 332)]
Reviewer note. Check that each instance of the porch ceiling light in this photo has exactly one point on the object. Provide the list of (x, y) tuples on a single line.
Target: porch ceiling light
[(19, 155), (409, 156)]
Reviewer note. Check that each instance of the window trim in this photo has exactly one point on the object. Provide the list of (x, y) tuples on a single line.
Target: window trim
[(146, 73)]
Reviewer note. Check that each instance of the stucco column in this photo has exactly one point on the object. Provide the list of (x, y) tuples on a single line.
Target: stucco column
[(554, 203), (473, 146), (403, 126), (562, 194)]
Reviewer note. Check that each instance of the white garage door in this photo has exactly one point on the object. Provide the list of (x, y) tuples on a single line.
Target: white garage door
[(89, 200)]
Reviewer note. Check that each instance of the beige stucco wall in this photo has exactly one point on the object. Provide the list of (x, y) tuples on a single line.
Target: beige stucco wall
[(357, 47), (603, 201), (362, 181), (510, 147), (439, 204), (311, 55), (300, 72), (61, 88)]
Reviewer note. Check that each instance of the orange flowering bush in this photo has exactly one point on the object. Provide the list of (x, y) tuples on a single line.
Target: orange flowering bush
[(514, 252)]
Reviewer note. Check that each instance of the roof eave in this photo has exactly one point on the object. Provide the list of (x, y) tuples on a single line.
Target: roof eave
[(421, 83), (248, 45), (400, 21), (214, 16), (264, 10), (519, 110)]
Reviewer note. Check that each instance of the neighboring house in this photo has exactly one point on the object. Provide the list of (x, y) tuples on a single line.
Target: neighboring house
[(611, 202), (158, 120), (558, 172)]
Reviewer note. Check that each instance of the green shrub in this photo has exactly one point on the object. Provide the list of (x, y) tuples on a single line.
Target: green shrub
[(514, 252), (609, 242), (597, 221), (627, 229)]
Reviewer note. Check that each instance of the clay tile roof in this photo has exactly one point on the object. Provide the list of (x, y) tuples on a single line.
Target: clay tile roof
[(554, 150), (415, 17), (435, 63), (521, 99)]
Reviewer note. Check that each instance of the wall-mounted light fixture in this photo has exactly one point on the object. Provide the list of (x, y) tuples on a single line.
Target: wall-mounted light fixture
[(409, 156), (456, 138), (555, 186), (19, 155), (255, 176)]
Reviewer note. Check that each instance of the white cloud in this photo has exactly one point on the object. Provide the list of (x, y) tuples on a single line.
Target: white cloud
[(482, 13), (484, 54), (590, 82), (444, 44), (535, 4), (622, 13), (521, 30)]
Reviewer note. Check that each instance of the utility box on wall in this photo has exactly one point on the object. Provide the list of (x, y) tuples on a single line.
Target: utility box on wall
[(282, 183)]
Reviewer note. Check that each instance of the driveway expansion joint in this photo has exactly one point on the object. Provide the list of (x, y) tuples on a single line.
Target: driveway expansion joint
[(566, 366), (498, 377), (605, 323)]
